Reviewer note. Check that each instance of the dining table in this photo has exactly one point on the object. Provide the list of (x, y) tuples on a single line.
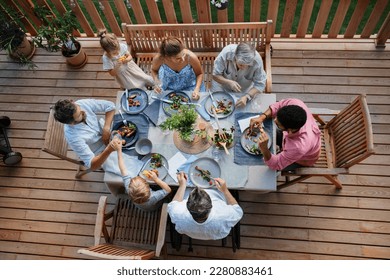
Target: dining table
[(241, 176)]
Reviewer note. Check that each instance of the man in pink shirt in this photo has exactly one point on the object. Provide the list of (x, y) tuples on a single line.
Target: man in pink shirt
[(301, 142)]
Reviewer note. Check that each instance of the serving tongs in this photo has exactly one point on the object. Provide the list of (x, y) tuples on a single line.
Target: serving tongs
[(221, 133)]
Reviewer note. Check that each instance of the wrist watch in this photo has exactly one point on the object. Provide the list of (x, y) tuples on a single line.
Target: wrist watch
[(248, 97)]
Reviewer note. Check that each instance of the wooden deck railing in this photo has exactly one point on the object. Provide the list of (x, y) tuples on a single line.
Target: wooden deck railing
[(292, 18)]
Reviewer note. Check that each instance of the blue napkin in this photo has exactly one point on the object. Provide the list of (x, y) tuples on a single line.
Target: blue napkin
[(153, 111), (142, 125), (241, 157), (202, 111), (185, 167)]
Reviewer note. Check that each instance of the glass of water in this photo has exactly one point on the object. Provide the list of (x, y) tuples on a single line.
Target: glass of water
[(216, 153)]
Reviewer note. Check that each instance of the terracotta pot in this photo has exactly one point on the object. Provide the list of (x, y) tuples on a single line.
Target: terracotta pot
[(78, 60), (26, 49)]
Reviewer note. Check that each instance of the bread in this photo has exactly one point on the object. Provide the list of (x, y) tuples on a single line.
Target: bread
[(146, 173)]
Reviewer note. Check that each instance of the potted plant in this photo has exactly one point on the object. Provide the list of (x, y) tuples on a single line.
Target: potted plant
[(14, 40), (183, 122), (56, 34), (220, 4)]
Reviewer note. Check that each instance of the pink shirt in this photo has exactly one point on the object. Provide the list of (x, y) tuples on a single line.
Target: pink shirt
[(303, 146)]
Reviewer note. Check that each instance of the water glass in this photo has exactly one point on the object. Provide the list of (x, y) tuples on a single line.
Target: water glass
[(216, 153)]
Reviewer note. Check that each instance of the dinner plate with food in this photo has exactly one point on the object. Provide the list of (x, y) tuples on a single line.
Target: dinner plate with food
[(154, 162), (203, 171), (250, 140), (128, 132), (134, 101), (172, 101), (223, 103)]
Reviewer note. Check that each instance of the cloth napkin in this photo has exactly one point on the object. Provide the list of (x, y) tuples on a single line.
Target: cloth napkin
[(241, 157), (202, 111), (142, 125), (174, 163), (153, 111)]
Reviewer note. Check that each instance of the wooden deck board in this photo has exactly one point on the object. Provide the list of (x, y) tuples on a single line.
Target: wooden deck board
[(46, 214)]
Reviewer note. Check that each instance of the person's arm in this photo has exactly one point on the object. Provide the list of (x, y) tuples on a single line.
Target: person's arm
[(182, 178), (256, 122), (121, 162), (98, 160), (247, 97), (159, 182), (222, 187), (195, 63), (263, 145), (156, 64), (107, 126)]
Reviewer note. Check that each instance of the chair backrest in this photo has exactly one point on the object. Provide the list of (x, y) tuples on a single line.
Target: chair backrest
[(198, 37), (351, 134), (132, 226), (55, 142)]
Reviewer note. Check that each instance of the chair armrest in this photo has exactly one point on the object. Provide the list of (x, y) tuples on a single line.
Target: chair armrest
[(317, 112), (100, 219), (162, 229), (267, 63)]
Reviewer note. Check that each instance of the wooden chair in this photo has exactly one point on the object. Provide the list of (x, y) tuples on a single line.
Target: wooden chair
[(56, 145), (135, 234), (176, 237), (346, 140)]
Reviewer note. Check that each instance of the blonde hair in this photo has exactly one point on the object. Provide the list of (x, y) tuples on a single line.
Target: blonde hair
[(109, 42), (139, 190)]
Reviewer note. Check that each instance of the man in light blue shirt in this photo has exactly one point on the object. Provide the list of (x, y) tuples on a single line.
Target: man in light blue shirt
[(88, 139)]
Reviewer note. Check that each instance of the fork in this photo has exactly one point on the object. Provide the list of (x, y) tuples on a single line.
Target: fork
[(221, 133), (123, 119)]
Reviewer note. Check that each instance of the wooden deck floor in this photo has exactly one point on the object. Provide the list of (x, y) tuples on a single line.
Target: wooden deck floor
[(46, 214)]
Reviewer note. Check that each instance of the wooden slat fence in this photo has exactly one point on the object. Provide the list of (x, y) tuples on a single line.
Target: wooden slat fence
[(301, 19)]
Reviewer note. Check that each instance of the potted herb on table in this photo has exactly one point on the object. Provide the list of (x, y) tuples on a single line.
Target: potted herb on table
[(14, 40), (183, 122), (56, 33)]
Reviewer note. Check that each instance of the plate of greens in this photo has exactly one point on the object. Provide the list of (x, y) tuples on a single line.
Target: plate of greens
[(172, 101), (250, 140), (203, 171)]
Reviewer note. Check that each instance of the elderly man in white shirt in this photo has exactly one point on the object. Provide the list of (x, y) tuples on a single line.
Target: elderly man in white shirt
[(87, 137), (207, 214), (239, 68)]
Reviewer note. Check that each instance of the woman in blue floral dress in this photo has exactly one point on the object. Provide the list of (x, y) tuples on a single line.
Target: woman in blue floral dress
[(177, 68)]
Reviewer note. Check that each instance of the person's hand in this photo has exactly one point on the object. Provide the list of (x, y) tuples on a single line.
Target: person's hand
[(157, 87), (242, 101), (195, 94), (234, 86), (116, 144), (152, 175), (128, 58), (263, 140), (220, 184), (182, 178), (255, 123)]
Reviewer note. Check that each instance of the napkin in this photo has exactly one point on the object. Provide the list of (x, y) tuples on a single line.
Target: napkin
[(202, 111), (174, 163), (244, 123), (153, 111)]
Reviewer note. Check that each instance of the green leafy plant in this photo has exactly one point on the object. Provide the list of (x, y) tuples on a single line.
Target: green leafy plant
[(183, 122), (12, 37), (56, 32)]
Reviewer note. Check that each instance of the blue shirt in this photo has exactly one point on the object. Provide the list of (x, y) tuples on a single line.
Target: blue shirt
[(86, 139)]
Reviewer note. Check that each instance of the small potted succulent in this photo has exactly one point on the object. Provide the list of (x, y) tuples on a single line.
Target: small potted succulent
[(183, 122), (14, 41), (220, 4), (56, 34)]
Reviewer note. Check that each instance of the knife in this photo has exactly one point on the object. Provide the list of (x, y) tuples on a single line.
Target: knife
[(213, 100), (171, 102)]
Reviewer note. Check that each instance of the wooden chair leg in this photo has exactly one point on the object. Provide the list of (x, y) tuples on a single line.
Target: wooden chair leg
[(335, 181), (81, 171), (292, 182)]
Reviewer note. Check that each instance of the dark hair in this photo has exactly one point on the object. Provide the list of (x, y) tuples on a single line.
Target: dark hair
[(64, 111), (199, 204), (171, 46), (292, 117)]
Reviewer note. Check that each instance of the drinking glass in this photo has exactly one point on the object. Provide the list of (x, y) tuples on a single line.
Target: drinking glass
[(216, 153)]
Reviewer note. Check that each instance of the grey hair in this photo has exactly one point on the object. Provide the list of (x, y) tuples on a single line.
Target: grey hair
[(245, 54)]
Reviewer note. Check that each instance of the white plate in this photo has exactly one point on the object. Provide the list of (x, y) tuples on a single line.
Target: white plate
[(207, 164), (162, 172)]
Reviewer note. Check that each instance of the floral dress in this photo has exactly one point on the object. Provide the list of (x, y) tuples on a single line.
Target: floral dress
[(182, 80), (129, 75)]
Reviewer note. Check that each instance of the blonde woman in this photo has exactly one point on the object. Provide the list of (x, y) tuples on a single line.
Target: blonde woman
[(120, 64)]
